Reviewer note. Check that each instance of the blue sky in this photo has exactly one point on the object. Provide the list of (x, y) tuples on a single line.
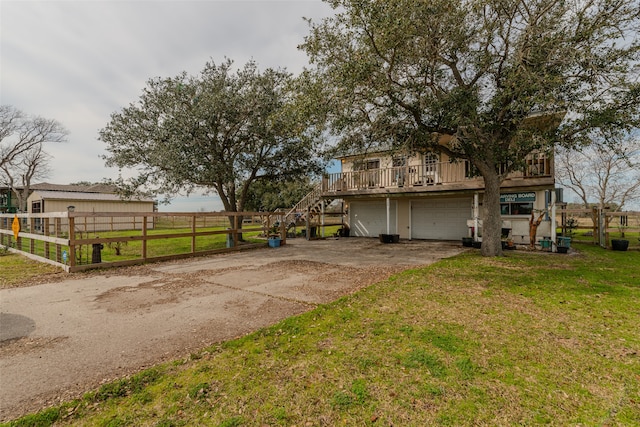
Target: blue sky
[(79, 61)]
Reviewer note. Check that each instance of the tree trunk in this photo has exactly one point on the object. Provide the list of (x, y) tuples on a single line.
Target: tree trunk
[(491, 218)]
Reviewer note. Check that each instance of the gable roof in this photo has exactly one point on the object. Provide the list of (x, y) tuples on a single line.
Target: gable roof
[(93, 188), (80, 195)]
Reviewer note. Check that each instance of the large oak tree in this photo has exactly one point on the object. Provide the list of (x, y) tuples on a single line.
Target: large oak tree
[(222, 131), (496, 75)]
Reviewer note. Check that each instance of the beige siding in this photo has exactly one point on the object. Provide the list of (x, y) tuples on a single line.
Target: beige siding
[(98, 206)]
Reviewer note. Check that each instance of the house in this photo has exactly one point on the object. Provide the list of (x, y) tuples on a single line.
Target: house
[(426, 195), (98, 198), (429, 196)]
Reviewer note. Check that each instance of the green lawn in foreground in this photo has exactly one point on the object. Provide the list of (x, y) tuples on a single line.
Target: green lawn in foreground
[(528, 339)]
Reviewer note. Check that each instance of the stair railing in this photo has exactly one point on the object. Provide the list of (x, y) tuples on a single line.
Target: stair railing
[(306, 202)]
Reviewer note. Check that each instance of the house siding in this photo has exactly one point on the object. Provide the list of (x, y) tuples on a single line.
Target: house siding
[(89, 202)]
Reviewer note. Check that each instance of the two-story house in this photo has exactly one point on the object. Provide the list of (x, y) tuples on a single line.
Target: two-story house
[(429, 196)]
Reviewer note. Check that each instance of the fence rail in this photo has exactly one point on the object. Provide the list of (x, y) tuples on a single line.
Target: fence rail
[(601, 226), (77, 241)]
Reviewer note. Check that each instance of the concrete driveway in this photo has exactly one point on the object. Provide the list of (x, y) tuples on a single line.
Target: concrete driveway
[(59, 340)]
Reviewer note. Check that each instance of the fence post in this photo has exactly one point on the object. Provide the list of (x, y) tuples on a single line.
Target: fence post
[(58, 230), (144, 237), (72, 244), (32, 229), (46, 232), (283, 229), (235, 231), (193, 237)]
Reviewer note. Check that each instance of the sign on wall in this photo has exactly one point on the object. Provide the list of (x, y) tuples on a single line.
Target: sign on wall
[(529, 196)]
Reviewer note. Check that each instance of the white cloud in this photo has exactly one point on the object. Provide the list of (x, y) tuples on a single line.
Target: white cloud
[(79, 61)]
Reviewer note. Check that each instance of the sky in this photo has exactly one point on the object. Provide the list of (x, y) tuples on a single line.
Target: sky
[(79, 61)]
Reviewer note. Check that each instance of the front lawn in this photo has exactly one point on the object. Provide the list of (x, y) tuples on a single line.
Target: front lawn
[(528, 339)]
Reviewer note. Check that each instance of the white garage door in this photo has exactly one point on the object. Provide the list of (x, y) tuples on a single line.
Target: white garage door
[(369, 219), (440, 219)]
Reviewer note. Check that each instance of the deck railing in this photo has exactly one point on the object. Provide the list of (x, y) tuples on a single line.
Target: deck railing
[(424, 175)]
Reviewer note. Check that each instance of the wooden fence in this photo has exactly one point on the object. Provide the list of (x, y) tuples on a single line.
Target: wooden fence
[(77, 241), (600, 226)]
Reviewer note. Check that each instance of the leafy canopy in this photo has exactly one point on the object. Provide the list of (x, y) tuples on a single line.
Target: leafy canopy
[(497, 76), (221, 130)]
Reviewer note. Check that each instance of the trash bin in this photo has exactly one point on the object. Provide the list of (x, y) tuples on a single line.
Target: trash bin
[(563, 244), (96, 255)]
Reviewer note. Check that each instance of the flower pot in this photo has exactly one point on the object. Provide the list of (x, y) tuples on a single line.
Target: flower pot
[(619, 244)]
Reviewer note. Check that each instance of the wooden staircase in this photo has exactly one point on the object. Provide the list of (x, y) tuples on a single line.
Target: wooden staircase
[(311, 204)]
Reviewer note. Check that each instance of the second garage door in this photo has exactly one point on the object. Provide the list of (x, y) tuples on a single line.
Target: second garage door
[(440, 219)]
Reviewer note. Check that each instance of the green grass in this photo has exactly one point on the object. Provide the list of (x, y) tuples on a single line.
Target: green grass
[(16, 269), (527, 339), (581, 236)]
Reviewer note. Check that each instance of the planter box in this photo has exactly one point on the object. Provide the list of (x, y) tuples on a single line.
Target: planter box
[(545, 243), (619, 244), (274, 242)]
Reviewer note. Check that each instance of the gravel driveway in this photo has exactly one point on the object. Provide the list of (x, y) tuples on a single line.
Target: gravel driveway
[(59, 340)]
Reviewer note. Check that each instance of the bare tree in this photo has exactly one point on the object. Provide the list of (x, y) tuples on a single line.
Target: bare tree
[(22, 155), (605, 174), (20, 173)]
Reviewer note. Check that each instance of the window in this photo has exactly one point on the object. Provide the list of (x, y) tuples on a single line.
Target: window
[(537, 165), (399, 164), (516, 208), (361, 165), (36, 207), (373, 164), (470, 171), (430, 163)]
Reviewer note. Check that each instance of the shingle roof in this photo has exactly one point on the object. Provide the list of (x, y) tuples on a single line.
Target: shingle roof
[(93, 188), (79, 195)]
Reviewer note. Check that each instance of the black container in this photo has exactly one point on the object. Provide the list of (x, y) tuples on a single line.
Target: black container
[(467, 242), (389, 238), (619, 244)]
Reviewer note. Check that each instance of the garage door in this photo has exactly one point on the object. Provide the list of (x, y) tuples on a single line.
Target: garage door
[(441, 219), (368, 219)]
